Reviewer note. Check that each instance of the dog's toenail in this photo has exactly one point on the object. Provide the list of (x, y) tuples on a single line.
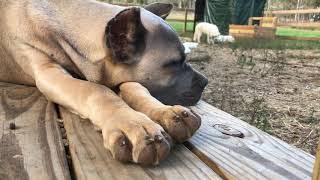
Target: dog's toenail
[(185, 114), (123, 143), (158, 139)]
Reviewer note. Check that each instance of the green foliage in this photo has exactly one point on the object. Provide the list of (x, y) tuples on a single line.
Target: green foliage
[(259, 114)]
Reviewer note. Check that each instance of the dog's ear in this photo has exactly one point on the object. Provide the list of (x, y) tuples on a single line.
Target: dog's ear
[(160, 9), (125, 36)]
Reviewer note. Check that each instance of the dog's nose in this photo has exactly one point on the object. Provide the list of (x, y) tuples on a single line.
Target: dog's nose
[(200, 81), (204, 82)]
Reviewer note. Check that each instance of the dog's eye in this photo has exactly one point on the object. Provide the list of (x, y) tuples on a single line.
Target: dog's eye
[(174, 63)]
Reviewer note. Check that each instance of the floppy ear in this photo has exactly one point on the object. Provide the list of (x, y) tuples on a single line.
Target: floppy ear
[(160, 9), (125, 36)]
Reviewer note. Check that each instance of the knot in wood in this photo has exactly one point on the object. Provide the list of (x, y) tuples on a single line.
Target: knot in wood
[(227, 130)]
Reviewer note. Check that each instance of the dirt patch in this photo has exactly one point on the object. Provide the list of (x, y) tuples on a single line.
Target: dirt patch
[(277, 91)]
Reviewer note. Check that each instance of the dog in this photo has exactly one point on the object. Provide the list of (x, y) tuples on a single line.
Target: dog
[(210, 30), (224, 39), (122, 68), (188, 46)]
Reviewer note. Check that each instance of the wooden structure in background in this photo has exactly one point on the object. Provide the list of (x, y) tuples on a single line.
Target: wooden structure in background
[(223, 148), (269, 22), (301, 18), (258, 27), (252, 31)]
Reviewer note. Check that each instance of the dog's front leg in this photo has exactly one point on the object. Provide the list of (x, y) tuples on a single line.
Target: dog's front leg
[(178, 121), (129, 135)]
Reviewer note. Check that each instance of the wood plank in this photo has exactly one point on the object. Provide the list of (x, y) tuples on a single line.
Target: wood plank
[(238, 35), (34, 149), (233, 31), (242, 27), (316, 167), (256, 155), (92, 161)]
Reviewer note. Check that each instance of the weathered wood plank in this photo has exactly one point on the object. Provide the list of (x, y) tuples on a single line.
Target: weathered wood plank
[(92, 161), (255, 156), (34, 149), (316, 166)]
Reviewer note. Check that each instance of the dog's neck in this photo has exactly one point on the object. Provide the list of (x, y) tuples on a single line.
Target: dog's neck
[(85, 22)]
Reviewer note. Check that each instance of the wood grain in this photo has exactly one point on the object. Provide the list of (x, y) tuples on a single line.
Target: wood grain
[(316, 166), (257, 155), (92, 161), (34, 149)]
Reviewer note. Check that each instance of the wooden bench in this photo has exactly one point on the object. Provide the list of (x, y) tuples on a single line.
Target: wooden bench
[(224, 147)]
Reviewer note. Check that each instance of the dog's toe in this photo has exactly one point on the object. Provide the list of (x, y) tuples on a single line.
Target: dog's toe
[(139, 140), (180, 122)]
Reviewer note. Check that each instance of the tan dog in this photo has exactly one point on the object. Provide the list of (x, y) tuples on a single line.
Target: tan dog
[(75, 50)]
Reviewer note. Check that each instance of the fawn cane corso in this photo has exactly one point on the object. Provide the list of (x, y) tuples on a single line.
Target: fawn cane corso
[(81, 53)]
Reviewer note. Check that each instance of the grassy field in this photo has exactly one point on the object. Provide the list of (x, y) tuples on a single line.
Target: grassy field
[(277, 44), (264, 43), (178, 25), (297, 32), (291, 32)]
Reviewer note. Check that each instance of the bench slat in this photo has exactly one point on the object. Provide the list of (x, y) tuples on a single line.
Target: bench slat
[(34, 149), (256, 156), (92, 161)]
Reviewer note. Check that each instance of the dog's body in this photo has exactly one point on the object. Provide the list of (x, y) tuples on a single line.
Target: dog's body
[(71, 33), (210, 30), (72, 50), (224, 39)]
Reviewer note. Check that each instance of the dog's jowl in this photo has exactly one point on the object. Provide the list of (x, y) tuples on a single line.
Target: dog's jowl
[(76, 51)]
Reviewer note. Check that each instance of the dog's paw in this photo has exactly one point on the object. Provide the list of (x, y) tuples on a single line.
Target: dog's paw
[(180, 122), (136, 138)]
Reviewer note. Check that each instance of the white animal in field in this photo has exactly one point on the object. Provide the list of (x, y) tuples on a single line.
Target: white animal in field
[(210, 30), (224, 39)]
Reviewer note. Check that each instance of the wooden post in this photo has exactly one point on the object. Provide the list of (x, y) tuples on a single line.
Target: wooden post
[(316, 168), (297, 15), (185, 19)]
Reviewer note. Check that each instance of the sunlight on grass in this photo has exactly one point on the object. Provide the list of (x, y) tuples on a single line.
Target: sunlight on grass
[(297, 32)]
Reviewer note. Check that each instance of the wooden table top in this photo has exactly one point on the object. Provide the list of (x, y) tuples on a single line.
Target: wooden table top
[(223, 148)]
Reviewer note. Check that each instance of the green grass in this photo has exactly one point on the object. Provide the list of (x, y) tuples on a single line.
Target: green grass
[(291, 32), (179, 26), (297, 32), (279, 44), (249, 43)]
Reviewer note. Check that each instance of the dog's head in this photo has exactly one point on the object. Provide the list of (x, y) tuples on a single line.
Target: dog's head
[(145, 49)]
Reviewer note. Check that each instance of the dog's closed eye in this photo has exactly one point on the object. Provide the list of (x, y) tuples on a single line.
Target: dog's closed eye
[(174, 63)]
